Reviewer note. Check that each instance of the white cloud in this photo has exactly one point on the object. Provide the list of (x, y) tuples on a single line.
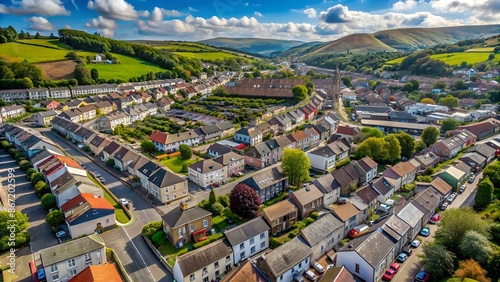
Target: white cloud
[(40, 24), (404, 5), (35, 7), (67, 26), (258, 14), (158, 14), (105, 27), (474, 11), (116, 9), (191, 9), (310, 12)]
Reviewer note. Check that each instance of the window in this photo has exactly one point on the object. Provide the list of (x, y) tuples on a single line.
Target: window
[(300, 264), (322, 247), (262, 235), (228, 258), (251, 241), (242, 255), (252, 250), (216, 264), (357, 268), (228, 267), (53, 268), (216, 274), (205, 223), (55, 277), (72, 272), (242, 245), (181, 231), (263, 244), (205, 271), (71, 263), (205, 279), (191, 227), (191, 277)]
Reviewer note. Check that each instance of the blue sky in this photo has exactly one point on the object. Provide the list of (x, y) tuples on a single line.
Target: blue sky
[(306, 20)]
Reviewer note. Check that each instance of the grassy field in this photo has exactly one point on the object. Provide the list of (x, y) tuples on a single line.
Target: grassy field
[(455, 59), (175, 164), (395, 61), (484, 49), (184, 46), (211, 56)]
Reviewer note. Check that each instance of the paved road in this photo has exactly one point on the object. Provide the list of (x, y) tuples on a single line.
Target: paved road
[(412, 265), (137, 258), (27, 202)]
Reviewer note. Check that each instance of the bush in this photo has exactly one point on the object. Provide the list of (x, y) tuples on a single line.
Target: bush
[(495, 232), (24, 165), (30, 172), (314, 215), (48, 201), (204, 204), (342, 163), (19, 156), (299, 225), (13, 152), (110, 162), (5, 145), (344, 241), (159, 238), (151, 228), (55, 218), (308, 221), (184, 168), (275, 242), (292, 234), (41, 190), (37, 177), (217, 209), (223, 200), (208, 241)]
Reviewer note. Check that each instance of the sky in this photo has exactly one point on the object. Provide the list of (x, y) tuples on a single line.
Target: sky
[(193, 20)]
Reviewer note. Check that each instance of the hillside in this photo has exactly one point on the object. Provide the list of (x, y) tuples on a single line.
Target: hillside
[(298, 50), (355, 43), (253, 45)]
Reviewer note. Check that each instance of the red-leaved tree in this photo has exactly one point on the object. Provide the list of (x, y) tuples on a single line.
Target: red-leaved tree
[(244, 201)]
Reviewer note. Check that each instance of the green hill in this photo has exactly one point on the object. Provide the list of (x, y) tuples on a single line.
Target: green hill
[(355, 43), (253, 45), (298, 50)]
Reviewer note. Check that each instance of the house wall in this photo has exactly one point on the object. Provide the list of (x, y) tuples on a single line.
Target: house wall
[(320, 162), (326, 245), (350, 259), (213, 270), (89, 227), (249, 248), (278, 225), (176, 237), (288, 275), (235, 167), (173, 192), (67, 195), (254, 162), (204, 179), (97, 257), (330, 198)]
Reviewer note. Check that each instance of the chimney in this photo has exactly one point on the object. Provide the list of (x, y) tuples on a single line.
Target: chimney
[(184, 206)]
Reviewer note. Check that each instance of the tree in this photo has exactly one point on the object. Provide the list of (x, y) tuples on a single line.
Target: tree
[(496, 49), (186, 152), (37, 35), (94, 74), (29, 172), (212, 199), (439, 85), (37, 177), (492, 171), (471, 269), (347, 81), (17, 223), (393, 148), (244, 202), (428, 101), (3, 39), (484, 194), (83, 76), (295, 165), (52, 35), (493, 266), (460, 85), (491, 56), (217, 209), (55, 218), (430, 135), (147, 145), (407, 143), (448, 101), (299, 92), (437, 260), (495, 232), (372, 147), (449, 124), (48, 201), (475, 246), (373, 132), (24, 165), (41, 188), (110, 162), (455, 223), (27, 83), (184, 168)]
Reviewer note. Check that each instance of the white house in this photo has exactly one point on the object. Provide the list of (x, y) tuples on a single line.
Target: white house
[(207, 172), (60, 93), (413, 217), (322, 159), (367, 167), (322, 235), (251, 136), (248, 239), (170, 142)]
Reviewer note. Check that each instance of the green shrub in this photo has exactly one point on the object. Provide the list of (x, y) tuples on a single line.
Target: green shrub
[(109, 254), (224, 200), (299, 225), (204, 204), (208, 241), (151, 228), (13, 152), (275, 242), (48, 201), (42, 189), (24, 165), (29, 172), (308, 221), (291, 234), (314, 215), (5, 145), (159, 238), (217, 209), (19, 156), (342, 163), (344, 241)]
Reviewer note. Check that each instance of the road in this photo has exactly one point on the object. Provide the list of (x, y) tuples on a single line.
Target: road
[(412, 265), (137, 258)]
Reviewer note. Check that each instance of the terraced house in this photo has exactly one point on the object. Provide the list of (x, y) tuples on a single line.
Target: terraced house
[(170, 142)]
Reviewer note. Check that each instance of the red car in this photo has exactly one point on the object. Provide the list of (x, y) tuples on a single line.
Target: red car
[(388, 275), (395, 266)]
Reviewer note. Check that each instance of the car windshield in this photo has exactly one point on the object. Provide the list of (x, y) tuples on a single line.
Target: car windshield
[(388, 273)]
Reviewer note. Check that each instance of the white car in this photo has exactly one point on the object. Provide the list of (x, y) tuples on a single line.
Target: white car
[(319, 268), (310, 275), (415, 243), (124, 201)]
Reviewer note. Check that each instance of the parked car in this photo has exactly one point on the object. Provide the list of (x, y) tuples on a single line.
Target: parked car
[(422, 276), (310, 275), (40, 274), (471, 180), (443, 206), (407, 251), (451, 198), (124, 201), (462, 189), (415, 243), (388, 274), (97, 174), (425, 232), (435, 218), (61, 234), (215, 185), (102, 179), (395, 266), (319, 268), (402, 257)]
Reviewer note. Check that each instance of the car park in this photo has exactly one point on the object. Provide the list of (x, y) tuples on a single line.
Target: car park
[(425, 232), (443, 206), (388, 275), (402, 257), (310, 275), (318, 267), (422, 276), (415, 243), (435, 218)]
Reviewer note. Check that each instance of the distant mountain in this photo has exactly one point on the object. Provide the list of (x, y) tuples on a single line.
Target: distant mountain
[(253, 45), (298, 50), (406, 39)]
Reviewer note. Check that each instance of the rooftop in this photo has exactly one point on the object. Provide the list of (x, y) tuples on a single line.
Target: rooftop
[(71, 249)]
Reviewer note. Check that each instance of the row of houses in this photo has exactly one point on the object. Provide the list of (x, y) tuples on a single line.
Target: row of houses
[(159, 182), (9, 112), (11, 95)]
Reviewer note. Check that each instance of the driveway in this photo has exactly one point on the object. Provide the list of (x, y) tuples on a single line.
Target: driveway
[(412, 265), (27, 202), (138, 260)]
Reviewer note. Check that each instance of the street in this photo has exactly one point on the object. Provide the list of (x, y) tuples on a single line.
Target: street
[(137, 258), (412, 265)]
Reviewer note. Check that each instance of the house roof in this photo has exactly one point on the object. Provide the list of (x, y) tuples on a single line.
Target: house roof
[(48, 113), (80, 204), (138, 163), (484, 150), (427, 159), (178, 217), (285, 256), (298, 136), (475, 157), (427, 200), (317, 231), (454, 172), (68, 161), (246, 272), (337, 274), (279, 209), (375, 248), (441, 186), (98, 273), (411, 215), (124, 154), (481, 127), (367, 164), (228, 158), (324, 151), (225, 125), (148, 168), (71, 249), (219, 148), (40, 156), (367, 194), (163, 178), (112, 147), (265, 178), (397, 225), (308, 194), (206, 166), (347, 130), (462, 166), (245, 231), (346, 211), (338, 147), (325, 183), (250, 132), (402, 168), (199, 258)]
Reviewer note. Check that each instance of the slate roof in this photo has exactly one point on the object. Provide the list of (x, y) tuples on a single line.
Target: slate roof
[(164, 178), (324, 151), (148, 168), (206, 166), (71, 249), (279, 209), (337, 274), (199, 258), (345, 211), (441, 186), (397, 225), (428, 200), (375, 248), (367, 164), (245, 231), (483, 149), (382, 186), (475, 157), (250, 132), (326, 183), (306, 195), (317, 231), (177, 217), (265, 178), (219, 148), (285, 256), (411, 215), (112, 147), (48, 113), (367, 194)]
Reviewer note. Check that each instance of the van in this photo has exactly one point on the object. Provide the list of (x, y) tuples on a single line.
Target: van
[(358, 231), (384, 208)]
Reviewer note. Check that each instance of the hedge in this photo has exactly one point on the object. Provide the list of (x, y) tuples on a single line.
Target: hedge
[(208, 241), (151, 228)]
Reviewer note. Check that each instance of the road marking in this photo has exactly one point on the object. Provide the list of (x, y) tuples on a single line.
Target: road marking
[(143, 261)]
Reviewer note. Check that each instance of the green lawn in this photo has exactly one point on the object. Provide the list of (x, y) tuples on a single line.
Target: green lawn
[(455, 59), (212, 56), (120, 215), (483, 49), (175, 163), (186, 47), (34, 51), (395, 61)]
